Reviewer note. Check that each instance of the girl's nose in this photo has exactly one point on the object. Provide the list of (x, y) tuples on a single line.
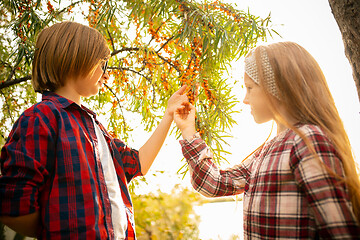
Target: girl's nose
[(246, 101)]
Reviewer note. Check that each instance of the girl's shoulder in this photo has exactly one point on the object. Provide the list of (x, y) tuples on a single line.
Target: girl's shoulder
[(290, 136), (300, 137), (310, 135), (309, 131)]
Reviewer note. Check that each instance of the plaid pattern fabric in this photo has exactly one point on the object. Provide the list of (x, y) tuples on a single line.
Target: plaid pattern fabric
[(288, 194), (51, 164)]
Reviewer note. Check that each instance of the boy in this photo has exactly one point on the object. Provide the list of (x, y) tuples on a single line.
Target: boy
[(63, 175)]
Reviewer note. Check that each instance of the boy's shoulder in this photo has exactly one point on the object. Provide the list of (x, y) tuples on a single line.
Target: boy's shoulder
[(44, 113), (50, 104), (42, 108), (48, 112)]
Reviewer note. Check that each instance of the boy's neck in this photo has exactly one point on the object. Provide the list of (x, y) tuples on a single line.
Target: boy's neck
[(69, 93)]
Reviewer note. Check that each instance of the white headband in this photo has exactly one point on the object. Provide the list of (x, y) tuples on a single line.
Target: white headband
[(252, 71)]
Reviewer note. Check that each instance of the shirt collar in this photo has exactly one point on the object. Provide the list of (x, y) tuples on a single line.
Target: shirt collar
[(64, 102)]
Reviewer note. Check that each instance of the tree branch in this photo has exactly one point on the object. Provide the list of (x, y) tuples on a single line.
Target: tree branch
[(167, 41), (123, 50), (131, 70), (118, 100), (168, 62), (9, 83), (111, 39)]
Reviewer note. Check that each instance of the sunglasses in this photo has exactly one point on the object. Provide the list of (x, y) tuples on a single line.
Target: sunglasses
[(104, 67)]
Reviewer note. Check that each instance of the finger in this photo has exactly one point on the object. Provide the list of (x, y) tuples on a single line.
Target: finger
[(184, 99), (181, 108), (190, 107), (196, 95), (181, 91), (186, 105)]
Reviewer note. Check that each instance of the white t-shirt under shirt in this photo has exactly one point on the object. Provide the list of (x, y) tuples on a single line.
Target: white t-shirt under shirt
[(118, 211)]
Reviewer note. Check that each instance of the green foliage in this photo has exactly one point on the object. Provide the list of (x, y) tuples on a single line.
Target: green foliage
[(167, 215), (156, 45)]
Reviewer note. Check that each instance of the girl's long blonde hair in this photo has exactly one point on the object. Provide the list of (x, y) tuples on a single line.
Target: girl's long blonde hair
[(306, 97)]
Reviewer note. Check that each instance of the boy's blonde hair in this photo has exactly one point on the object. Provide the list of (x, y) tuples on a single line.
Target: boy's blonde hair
[(66, 50), (303, 91)]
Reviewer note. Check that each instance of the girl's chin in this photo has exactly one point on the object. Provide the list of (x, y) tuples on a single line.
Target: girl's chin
[(260, 121)]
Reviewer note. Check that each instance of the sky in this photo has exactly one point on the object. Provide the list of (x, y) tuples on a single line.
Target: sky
[(309, 23)]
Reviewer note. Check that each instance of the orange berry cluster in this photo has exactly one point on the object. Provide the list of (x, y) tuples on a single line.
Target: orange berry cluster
[(50, 7), (182, 6), (94, 10), (153, 31), (198, 126), (150, 60), (230, 12), (208, 93), (164, 81), (192, 73), (120, 79), (189, 76), (70, 9), (24, 5), (159, 38)]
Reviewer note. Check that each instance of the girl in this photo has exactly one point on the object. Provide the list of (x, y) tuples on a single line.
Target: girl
[(63, 175), (303, 184)]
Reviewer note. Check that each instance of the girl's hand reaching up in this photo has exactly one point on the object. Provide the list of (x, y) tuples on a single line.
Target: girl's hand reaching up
[(184, 117)]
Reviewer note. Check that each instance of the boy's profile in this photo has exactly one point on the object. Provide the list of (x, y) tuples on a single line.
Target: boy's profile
[(63, 175)]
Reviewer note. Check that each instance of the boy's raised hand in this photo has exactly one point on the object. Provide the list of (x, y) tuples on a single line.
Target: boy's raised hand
[(177, 100)]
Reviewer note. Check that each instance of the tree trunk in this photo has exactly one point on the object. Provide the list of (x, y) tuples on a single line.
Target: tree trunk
[(347, 16)]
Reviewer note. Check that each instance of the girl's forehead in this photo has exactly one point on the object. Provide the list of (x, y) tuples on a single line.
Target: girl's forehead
[(248, 80)]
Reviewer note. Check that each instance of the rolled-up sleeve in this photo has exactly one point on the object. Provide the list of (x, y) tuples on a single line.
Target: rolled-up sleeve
[(128, 158)]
